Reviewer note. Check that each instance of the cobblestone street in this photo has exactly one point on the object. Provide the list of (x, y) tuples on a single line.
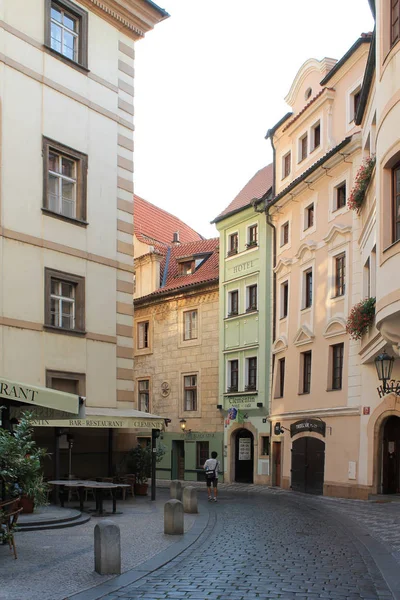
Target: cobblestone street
[(269, 545)]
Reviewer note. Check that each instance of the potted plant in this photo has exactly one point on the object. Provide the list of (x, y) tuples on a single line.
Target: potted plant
[(361, 183), (20, 465), (138, 461), (361, 318)]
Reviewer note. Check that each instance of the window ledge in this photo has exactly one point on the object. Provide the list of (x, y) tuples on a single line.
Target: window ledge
[(282, 318), (51, 213), (391, 246), (68, 61), (339, 297), (53, 329), (303, 393), (334, 389), (241, 393), (305, 308)]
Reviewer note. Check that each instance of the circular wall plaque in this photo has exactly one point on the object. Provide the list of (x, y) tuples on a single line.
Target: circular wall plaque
[(165, 389)]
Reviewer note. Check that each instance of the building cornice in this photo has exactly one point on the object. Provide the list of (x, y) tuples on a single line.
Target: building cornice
[(134, 17)]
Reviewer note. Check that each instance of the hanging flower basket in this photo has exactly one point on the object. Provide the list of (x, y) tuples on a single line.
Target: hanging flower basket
[(361, 183), (361, 318)]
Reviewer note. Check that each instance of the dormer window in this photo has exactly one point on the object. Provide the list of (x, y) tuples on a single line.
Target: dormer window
[(186, 268)]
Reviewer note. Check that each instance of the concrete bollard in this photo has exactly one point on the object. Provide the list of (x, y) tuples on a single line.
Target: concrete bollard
[(190, 499), (107, 548), (175, 490), (173, 517)]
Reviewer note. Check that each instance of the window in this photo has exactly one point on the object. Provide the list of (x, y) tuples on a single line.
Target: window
[(265, 445), (233, 244), (63, 381), (309, 216), (340, 275), (308, 285), (281, 373), (143, 331), (64, 301), (64, 181), (251, 374), (394, 21), (233, 373), (144, 395), (306, 356), (233, 303), (337, 366), (190, 325), (286, 165), (186, 267), (285, 233), (354, 103), (66, 30), (190, 392), (396, 202), (284, 299), (251, 298), (340, 196), (252, 236), (316, 136), (367, 279), (202, 454), (303, 147)]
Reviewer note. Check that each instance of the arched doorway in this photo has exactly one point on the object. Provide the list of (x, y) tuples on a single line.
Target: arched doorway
[(391, 456), (308, 465), (244, 456)]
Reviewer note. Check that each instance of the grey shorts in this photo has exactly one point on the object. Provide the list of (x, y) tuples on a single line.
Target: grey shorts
[(214, 482)]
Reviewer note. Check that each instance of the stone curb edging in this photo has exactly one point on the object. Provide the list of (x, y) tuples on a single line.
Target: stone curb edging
[(150, 565)]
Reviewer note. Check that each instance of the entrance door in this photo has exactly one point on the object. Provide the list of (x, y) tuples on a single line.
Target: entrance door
[(178, 459), (391, 456), (244, 456), (308, 463), (276, 453)]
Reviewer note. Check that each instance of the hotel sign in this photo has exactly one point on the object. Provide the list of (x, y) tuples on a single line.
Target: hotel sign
[(242, 401), (392, 387)]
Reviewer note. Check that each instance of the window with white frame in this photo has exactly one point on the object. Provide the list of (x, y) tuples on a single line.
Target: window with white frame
[(305, 361), (307, 288), (340, 274), (144, 395), (252, 236), (251, 374), (339, 200), (190, 393), (251, 298), (233, 303), (284, 299), (303, 147), (286, 164), (354, 102), (315, 136), (309, 216), (143, 339), (190, 320), (64, 300), (233, 244), (337, 353), (233, 375), (285, 233)]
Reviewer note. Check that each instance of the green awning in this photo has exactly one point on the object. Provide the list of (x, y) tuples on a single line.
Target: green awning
[(15, 394), (103, 418)]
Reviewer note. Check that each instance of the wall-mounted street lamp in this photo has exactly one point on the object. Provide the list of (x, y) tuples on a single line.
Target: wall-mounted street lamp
[(183, 424), (384, 366)]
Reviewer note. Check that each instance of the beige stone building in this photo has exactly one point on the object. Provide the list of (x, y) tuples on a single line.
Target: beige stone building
[(66, 208), (176, 338), (315, 404)]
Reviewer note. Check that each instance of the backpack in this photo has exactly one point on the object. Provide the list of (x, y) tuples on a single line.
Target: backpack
[(210, 473)]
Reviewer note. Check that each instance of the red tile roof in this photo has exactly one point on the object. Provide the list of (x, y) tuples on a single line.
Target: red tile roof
[(158, 225), (305, 108), (207, 272), (255, 188)]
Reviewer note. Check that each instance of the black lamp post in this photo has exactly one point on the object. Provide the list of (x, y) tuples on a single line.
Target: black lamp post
[(384, 366)]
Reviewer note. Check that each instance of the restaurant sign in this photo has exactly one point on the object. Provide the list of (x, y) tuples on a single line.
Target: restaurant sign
[(314, 425), (242, 401), (31, 395), (103, 422)]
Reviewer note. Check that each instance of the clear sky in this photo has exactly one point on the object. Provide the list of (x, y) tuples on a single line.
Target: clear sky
[(211, 80)]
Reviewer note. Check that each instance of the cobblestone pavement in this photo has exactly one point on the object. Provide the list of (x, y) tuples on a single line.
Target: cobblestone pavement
[(266, 545)]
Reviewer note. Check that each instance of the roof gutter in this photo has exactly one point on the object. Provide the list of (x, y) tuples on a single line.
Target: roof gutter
[(365, 39), (271, 131), (367, 81), (160, 10), (150, 298)]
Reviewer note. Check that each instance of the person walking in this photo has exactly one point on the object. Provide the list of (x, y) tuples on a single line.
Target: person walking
[(211, 468)]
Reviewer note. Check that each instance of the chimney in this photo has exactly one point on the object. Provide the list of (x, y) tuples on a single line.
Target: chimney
[(175, 239)]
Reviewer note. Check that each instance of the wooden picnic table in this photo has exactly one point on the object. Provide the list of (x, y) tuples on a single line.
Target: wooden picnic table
[(97, 486)]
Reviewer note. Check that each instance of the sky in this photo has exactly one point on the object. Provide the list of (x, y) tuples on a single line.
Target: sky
[(211, 80)]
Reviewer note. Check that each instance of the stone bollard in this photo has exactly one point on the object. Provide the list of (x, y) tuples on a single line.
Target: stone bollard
[(107, 548), (173, 517), (190, 499), (175, 490)]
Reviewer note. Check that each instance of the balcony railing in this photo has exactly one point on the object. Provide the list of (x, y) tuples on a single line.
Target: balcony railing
[(232, 252)]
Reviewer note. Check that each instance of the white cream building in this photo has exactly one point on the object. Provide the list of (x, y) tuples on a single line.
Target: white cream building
[(66, 194)]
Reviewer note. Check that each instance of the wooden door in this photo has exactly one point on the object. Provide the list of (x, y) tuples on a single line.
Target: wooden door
[(276, 447), (308, 465), (391, 456), (244, 456)]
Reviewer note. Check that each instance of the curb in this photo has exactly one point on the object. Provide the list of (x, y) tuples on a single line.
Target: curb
[(150, 565)]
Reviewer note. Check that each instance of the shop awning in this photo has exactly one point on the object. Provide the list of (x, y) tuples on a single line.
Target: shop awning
[(16, 394), (106, 418)]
